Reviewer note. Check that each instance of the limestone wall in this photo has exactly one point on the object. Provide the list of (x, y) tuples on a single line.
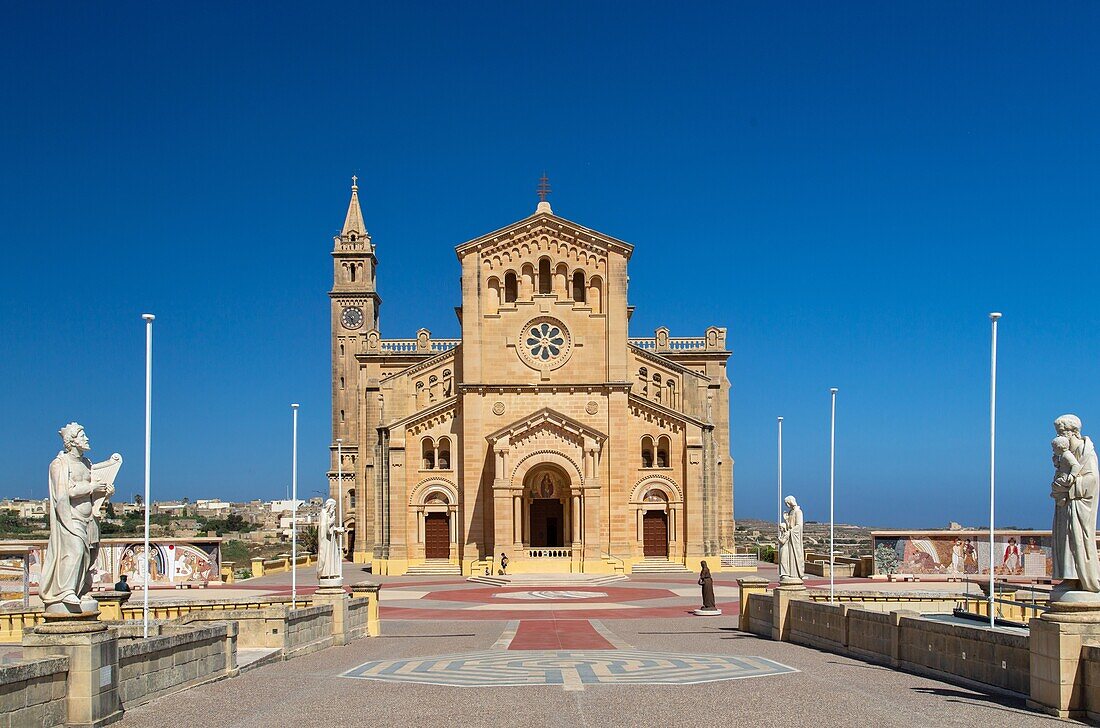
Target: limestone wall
[(155, 667), (819, 625), (760, 614), (873, 635), (307, 629), (997, 658), (33, 693), (358, 612), (294, 631)]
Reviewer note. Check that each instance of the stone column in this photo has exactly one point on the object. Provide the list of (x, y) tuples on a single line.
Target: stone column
[(517, 523), (370, 590), (257, 566), (1057, 671), (575, 516), (227, 572), (110, 604), (92, 688), (748, 585), (781, 609)]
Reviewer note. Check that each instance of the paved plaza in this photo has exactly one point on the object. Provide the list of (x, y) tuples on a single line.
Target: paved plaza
[(628, 653)]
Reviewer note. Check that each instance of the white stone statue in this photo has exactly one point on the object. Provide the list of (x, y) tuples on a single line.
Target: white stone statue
[(329, 553), (792, 557), (78, 491), (1074, 491)]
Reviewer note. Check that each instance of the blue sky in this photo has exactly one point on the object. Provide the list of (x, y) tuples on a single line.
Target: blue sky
[(864, 181)]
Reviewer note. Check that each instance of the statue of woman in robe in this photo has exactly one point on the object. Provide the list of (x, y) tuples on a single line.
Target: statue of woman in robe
[(707, 582), (792, 557), (329, 553), (1075, 494)]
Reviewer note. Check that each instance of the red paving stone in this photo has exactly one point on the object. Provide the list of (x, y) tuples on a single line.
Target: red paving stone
[(558, 634), (487, 595), (728, 609)]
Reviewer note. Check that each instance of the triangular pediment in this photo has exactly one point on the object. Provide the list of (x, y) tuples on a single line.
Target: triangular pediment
[(545, 223), (548, 419)]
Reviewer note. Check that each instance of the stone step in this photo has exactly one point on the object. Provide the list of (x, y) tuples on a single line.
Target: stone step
[(660, 566), (435, 568), (543, 580)]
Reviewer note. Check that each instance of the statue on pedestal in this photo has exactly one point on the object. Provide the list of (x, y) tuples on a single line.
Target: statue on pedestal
[(1074, 491), (78, 490), (792, 557), (329, 553)]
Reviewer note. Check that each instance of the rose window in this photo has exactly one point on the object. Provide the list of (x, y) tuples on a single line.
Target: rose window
[(545, 341)]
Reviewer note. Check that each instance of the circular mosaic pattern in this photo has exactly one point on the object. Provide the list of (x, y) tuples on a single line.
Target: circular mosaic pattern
[(550, 595), (570, 669), (592, 407), (498, 408), (545, 343)]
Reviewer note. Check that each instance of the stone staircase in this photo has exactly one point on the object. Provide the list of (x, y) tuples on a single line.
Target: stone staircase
[(659, 566), (544, 580), (435, 567)]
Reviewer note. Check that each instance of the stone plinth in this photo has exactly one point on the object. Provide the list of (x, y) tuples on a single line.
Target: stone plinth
[(370, 590), (1057, 671), (92, 687), (707, 612), (746, 586), (781, 609), (257, 566), (110, 604), (338, 598)]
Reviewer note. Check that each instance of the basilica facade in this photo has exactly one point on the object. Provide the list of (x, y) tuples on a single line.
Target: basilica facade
[(546, 432)]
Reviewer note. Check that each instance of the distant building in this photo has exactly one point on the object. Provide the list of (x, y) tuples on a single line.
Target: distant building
[(26, 508)]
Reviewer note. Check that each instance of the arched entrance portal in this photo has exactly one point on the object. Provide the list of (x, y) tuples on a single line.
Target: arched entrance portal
[(655, 534), (546, 497), (437, 536)]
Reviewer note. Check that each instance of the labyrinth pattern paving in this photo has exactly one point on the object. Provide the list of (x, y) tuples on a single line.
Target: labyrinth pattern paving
[(571, 669), (547, 594)]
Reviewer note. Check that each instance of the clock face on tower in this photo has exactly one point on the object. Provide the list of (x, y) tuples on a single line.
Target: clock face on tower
[(352, 317)]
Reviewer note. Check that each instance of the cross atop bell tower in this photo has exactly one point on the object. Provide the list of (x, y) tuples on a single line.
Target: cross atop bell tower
[(543, 191)]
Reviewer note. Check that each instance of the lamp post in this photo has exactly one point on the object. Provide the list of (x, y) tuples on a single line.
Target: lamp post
[(340, 491), (832, 463), (992, 452), (148, 318), (779, 494), (294, 514)]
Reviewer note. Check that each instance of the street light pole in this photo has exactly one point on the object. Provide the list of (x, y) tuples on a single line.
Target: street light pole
[(992, 453), (832, 463), (148, 317), (779, 504), (340, 491), (294, 514)]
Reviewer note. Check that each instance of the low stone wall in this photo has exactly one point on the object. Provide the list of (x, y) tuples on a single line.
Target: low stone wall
[(358, 612), (14, 621), (149, 669), (294, 631), (998, 658), (873, 636), (32, 693), (815, 624), (1090, 669), (307, 629), (760, 615)]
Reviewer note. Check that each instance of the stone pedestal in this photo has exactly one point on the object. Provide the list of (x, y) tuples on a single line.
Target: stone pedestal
[(257, 566), (227, 572), (746, 586), (110, 604), (370, 590), (781, 608), (338, 598), (92, 686), (1057, 671), (707, 612)]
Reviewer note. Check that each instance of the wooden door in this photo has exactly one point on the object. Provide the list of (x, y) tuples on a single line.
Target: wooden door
[(437, 536), (655, 534)]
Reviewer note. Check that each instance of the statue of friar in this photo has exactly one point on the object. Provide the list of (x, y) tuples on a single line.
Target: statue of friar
[(329, 553), (78, 491), (792, 557), (1074, 491)]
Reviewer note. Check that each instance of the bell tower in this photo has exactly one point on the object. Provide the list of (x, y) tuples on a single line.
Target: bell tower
[(354, 305)]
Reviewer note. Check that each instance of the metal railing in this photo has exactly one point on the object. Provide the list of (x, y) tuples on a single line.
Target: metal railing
[(675, 343), (554, 553), (733, 561), (1009, 608)]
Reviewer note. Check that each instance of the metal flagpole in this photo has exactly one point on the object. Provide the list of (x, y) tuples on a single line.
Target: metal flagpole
[(832, 461), (148, 317), (340, 492), (779, 512), (294, 515), (992, 452)]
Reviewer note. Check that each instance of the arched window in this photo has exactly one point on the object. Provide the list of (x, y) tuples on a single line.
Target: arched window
[(341, 417), (351, 499), (578, 286), (656, 386), (671, 384), (663, 446), (526, 281), (647, 452), (351, 271), (544, 276), (511, 287), (427, 451), (433, 385), (341, 349), (595, 294), (448, 383), (492, 303), (420, 393), (561, 279), (341, 382), (444, 457)]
